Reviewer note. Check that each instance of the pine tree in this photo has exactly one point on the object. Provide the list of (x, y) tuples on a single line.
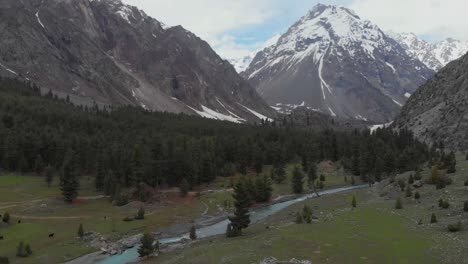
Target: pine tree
[(417, 196), (146, 248), (20, 250), (409, 193), (193, 233), (6, 218), (100, 174), (4, 260), (307, 214), (28, 250), (241, 218), (80, 231), (263, 188), (354, 202), (279, 173), (38, 165), (69, 179), (433, 219), (312, 175), (297, 180), (398, 204), (140, 214), (184, 187), (465, 206), (49, 175)]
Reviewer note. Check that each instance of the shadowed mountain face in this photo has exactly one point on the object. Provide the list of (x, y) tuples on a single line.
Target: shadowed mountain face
[(336, 63), (438, 111), (111, 53)]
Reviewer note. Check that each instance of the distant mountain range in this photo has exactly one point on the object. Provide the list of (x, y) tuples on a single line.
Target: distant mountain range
[(112, 53), (434, 55), (334, 62)]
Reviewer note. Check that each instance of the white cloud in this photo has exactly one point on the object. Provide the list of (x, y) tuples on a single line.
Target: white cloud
[(220, 21), (207, 18), (433, 18)]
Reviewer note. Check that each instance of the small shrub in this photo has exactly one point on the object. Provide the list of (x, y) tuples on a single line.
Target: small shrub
[(322, 178), (354, 202), (23, 250), (4, 260), (80, 231), (420, 222), (417, 196), (444, 204), (6, 218), (454, 227), (299, 219), (141, 214), (409, 193), (433, 219), (402, 185), (398, 204), (128, 219), (466, 183), (465, 206), (411, 179), (193, 233)]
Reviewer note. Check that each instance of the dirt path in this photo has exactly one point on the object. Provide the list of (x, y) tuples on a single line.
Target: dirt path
[(50, 217)]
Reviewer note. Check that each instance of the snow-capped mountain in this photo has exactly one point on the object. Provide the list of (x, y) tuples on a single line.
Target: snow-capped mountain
[(335, 62), (114, 54), (241, 64), (434, 55)]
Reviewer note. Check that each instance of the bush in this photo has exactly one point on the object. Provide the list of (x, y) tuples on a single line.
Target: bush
[(23, 250), (401, 184), (299, 219), (444, 204), (398, 204), (409, 193), (466, 183), (307, 214), (4, 260), (6, 218), (465, 206), (433, 219), (411, 179), (80, 231), (322, 178), (454, 227), (417, 196), (141, 214), (128, 219), (193, 233), (354, 202)]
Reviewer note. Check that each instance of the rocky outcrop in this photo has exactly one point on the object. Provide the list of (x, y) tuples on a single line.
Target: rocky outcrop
[(438, 111), (112, 53)]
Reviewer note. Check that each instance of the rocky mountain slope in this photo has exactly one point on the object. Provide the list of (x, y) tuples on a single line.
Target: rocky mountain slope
[(112, 53), (438, 111), (433, 55), (336, 63)]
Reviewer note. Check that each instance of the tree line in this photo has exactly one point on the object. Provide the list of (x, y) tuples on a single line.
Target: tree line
[(127, 147)]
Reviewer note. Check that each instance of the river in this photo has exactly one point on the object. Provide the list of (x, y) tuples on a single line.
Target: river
[(217, 229)]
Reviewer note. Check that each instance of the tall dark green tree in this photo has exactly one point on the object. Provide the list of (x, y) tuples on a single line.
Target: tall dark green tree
[(241, 218), (49, 175), (69, 183), (146, 245), (297, 180)]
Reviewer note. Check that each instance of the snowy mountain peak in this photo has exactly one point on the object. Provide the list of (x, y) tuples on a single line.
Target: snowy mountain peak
[(337, 63), (433, 55)]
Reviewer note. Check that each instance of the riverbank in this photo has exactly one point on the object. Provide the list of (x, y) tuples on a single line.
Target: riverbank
[(218, 228)]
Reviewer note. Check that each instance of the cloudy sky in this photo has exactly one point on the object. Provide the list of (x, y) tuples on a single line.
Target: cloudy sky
[(236, 27)]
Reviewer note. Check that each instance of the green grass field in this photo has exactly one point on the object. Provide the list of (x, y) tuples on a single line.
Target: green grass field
[(374, 232)]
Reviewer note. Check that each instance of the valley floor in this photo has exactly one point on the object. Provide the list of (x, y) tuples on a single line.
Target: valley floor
[(374, 232)]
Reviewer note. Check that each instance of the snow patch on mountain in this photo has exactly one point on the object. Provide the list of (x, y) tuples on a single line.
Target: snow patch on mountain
[(257, 114), (8, 69), (211, 114), (39, 20)]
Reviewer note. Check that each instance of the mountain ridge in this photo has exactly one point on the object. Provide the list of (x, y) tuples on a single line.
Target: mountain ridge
[(365, 62), (113, 53)]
